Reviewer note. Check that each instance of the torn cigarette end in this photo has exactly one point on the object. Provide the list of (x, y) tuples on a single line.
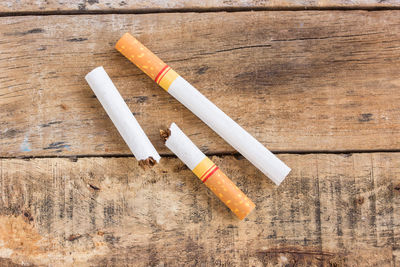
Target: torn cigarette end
[(208, 172), (165, 134), (147, 163)]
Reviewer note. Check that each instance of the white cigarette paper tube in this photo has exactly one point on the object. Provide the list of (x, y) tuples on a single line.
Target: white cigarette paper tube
[(229, 130), (209, 113), (121, 115)]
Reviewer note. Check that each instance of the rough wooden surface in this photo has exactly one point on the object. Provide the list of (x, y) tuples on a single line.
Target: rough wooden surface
[(298, 81), (320, 81), (160, 5), (333, 210)]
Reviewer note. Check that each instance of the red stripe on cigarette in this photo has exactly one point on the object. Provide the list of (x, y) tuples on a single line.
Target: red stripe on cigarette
[(163, 75), (206, 172), (211, 173), (161, 71)]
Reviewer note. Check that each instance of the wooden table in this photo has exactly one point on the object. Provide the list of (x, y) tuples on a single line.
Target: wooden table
[(317, 82)]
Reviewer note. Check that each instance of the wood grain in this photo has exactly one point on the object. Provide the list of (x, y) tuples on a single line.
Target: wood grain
[(333, 210), (160, 5), (297, 81)]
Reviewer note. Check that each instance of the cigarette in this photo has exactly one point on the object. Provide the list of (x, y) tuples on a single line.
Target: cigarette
[(203, 108), (122, 117), (207, 171)]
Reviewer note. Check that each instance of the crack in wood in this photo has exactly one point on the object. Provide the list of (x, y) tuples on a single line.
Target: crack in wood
[(81, 10)]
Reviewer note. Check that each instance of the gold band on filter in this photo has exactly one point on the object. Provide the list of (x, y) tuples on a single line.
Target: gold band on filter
[(145, 60), (224, 188)]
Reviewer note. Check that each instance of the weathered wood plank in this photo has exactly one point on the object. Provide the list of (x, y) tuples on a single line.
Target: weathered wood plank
[(333, 210), (160, 5), (298, 81)]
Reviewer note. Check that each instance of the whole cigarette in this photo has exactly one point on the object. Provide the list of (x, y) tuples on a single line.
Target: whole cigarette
[(208, 172), (122, 117), (210, 114)]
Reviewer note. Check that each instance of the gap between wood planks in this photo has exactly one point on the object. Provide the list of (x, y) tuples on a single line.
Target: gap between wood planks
[(195, 10), (236, 155)]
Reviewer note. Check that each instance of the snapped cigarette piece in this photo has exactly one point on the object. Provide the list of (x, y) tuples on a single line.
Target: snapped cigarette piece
[(122, 117), (210, 114), (207, 172)]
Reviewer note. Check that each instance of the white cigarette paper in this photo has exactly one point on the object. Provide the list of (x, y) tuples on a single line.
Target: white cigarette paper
[(121, 115), (229, 130), (191, 98), (183, 147)]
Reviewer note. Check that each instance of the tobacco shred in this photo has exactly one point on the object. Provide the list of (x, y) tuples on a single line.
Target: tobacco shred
[(165, 134), (147, 163)]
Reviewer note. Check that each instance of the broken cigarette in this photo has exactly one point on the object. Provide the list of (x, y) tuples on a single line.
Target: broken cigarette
[(122, 117), (191, 98), (207, 171)]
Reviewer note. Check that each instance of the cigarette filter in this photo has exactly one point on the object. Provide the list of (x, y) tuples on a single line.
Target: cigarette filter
[(207, 172), (122, 117), (191, 98)]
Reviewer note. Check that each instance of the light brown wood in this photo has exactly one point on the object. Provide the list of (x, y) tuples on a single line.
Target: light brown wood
[(333, 210), (160, 5), (297, 81)]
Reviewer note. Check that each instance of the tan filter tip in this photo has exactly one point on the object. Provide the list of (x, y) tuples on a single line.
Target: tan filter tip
[(226, 191), (142, 57)]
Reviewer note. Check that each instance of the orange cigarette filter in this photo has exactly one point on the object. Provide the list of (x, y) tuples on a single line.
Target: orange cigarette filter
[(145, 60), (224, 188)]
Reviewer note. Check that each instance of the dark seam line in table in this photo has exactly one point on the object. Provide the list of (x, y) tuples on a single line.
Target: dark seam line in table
[(237, 155), (195, 10)]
